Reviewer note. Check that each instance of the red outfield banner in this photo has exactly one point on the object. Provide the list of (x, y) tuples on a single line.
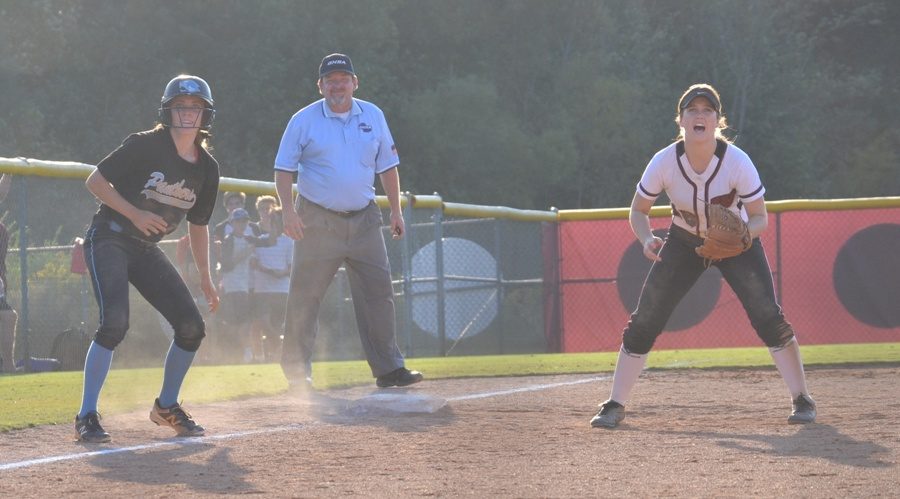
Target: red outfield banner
[(837, 275)]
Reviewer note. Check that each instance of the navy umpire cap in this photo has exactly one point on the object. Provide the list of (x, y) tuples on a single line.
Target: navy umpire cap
[(335, 62)]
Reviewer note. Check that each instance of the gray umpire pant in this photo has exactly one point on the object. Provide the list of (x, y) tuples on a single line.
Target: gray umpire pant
[(331, 239)]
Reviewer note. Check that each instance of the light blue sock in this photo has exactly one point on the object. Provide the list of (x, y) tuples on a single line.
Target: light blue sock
[(96, 367), (178, 361)]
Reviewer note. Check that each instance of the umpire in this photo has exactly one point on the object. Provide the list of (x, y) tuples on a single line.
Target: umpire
[(336, 146)]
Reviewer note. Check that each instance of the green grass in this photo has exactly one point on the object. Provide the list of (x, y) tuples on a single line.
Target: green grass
[(53, 398)]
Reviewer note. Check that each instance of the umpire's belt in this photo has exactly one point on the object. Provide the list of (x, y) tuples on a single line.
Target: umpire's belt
[(344, 214)]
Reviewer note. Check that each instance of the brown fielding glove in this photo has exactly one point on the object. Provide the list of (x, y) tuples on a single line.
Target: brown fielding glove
[(726, 236)]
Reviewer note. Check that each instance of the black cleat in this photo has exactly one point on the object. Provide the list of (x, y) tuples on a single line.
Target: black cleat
[(88, 429), (399, 377)]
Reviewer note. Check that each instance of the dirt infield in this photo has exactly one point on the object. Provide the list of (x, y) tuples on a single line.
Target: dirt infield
[(688, 433)]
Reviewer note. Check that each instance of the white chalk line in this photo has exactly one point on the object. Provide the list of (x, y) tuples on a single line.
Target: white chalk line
[(532, 388), (171, 443), (278, 429)]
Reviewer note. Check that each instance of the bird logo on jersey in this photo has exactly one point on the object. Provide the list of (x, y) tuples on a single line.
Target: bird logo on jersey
[(725, 199), (688, 217)]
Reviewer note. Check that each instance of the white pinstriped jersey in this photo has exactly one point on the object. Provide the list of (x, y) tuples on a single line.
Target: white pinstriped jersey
[(730, 179)]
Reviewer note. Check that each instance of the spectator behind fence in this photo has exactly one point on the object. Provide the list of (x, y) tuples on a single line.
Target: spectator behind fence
[(237, 249), (271, 266), (264, 207), (8, 316), (232, 201)]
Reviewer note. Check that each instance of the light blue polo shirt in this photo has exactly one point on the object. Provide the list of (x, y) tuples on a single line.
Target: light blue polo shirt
[(336, 160)]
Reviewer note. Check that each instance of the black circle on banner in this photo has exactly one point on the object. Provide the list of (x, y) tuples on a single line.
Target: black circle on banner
[(867, 275), (696, 305)]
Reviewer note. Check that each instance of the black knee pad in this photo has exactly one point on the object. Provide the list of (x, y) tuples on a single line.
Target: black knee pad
[(189, 334), (636, 341), (776, 333), (109, 337)]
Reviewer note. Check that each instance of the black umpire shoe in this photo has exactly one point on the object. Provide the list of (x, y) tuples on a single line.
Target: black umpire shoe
[(88, 429), (399, 377)]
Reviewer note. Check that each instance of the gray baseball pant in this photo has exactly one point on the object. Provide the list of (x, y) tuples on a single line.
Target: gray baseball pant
[(330, 240)]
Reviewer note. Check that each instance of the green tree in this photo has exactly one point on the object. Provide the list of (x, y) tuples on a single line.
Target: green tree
[(471, 149), (527, 103)]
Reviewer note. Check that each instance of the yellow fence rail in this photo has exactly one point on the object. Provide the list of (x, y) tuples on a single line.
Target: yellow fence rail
[(69, 169)]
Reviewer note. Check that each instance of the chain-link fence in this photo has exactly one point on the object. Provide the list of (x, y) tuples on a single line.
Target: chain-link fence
[(479, 280), (487, 273), (463, 285)]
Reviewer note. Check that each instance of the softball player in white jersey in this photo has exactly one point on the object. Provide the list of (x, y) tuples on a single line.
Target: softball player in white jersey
[(702, 168)]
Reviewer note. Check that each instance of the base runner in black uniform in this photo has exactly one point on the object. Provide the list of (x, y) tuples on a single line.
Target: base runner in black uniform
[(146, 187)]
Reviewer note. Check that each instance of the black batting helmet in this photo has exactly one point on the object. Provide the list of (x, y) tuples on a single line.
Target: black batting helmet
[(187, 85)]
